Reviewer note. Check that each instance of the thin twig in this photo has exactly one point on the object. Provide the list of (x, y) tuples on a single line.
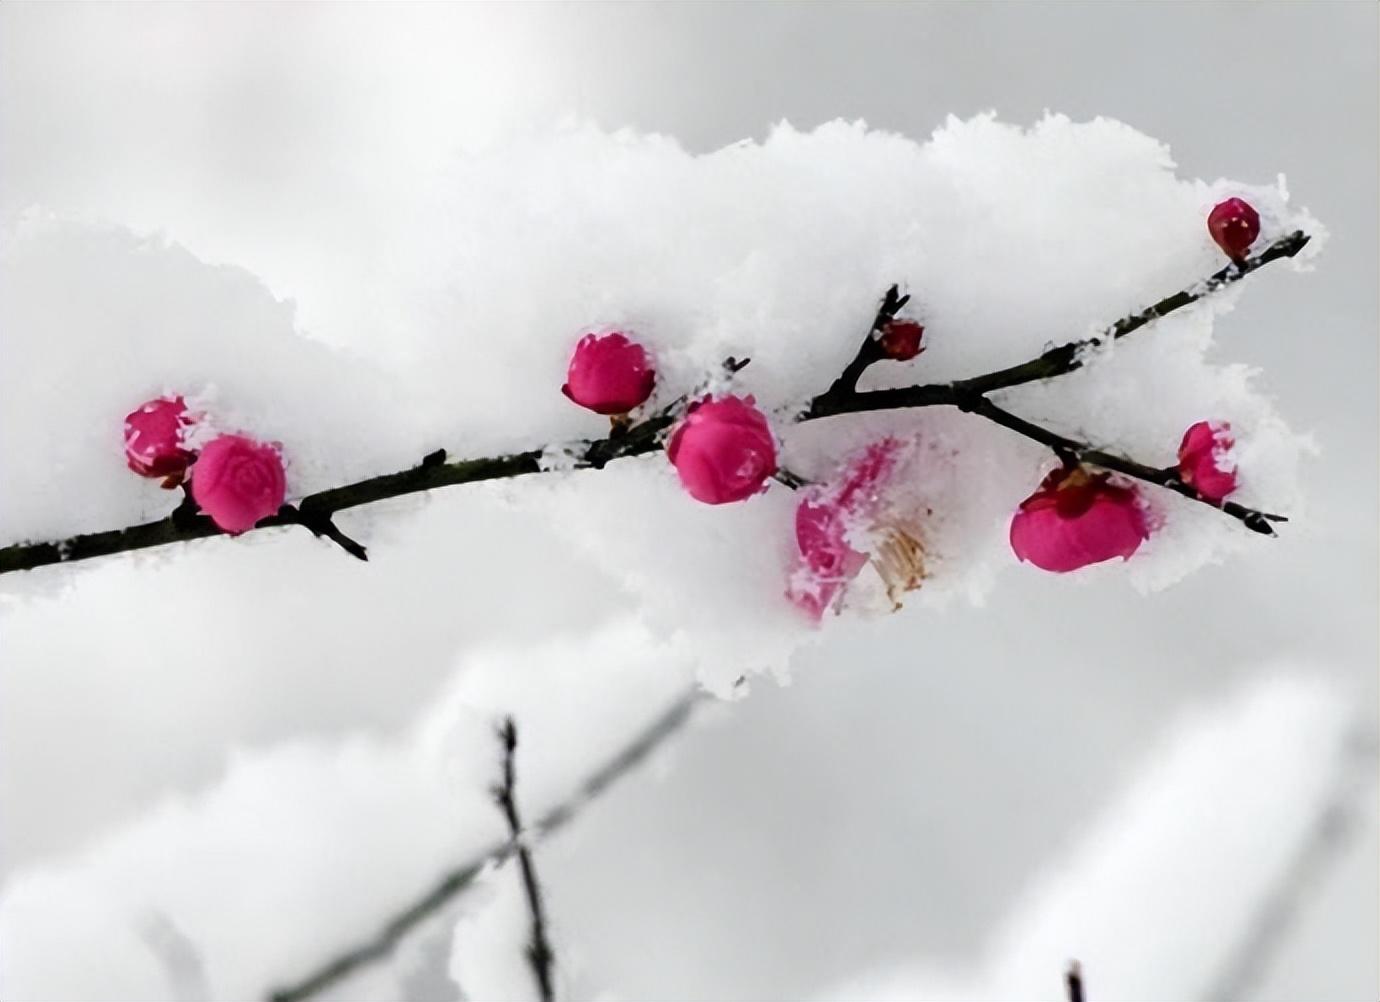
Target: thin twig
[(435, 899), (1332, 832), (1070, 449), (1056, 361), (842, 397), (1073, 981), (539, 953), (870, 350)]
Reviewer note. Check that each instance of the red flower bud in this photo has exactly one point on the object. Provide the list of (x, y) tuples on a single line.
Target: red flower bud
[(153, 438), (1203, 464), (1234, 224), (609, 374), (900, 340), (238, 482), (723, 450), (1077, 518)]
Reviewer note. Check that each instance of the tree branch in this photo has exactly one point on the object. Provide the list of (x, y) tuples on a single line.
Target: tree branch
[(435, 899), (1073, 981), (539, 953), (871, 348), (842, 397), (1069, 449)]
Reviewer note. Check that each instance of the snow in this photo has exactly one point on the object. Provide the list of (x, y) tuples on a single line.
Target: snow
[(367, 823), (1127, 899), (225, 761), (1007, 238)]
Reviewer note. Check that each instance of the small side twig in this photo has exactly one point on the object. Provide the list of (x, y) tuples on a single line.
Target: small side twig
[(1068, 449), (323, 527), (539, 953), (870, 350)]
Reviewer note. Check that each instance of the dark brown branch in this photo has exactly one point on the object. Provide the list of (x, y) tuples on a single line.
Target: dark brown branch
[(1071, 450), (1057, 361), (646, 436), (434, 900), (871, 348), (539, 953), (1066, 357), (1333, 831), (1073, 981), (322, 526)]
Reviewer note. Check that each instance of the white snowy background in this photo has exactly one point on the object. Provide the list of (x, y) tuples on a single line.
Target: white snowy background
[(371, 231)]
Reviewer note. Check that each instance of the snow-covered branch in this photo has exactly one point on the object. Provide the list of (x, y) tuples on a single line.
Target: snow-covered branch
[(436, 470)]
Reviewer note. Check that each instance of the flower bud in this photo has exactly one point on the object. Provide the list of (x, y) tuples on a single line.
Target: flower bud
[(723, 450), (900, 340), (1203, 462), (609, 374), (1234, 224), (1077, 518), (154, 438), (238, 482)]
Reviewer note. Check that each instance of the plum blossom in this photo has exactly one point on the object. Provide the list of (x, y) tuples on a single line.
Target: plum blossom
[(238, 481), (155, 436), (900, 340), (609, 374), (1203, 459), (1234, 225), (829, 514), (1077, 518), (723, 450)]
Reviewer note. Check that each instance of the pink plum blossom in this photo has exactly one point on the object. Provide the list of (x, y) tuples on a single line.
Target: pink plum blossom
[(1077, 518), (609, 374), (154, 439), (723, 450), (1203, 462), (238, 481), (1234, 225), (823, 519)]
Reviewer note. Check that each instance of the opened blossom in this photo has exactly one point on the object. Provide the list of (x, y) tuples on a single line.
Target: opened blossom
[(1077, 518), (723, 450), (1234, 225), (238, 481), (1203, 459), (826, 516), (609, 374), (155, 439)]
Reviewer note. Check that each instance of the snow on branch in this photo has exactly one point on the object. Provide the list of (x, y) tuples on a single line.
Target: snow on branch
[(234, 476)]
